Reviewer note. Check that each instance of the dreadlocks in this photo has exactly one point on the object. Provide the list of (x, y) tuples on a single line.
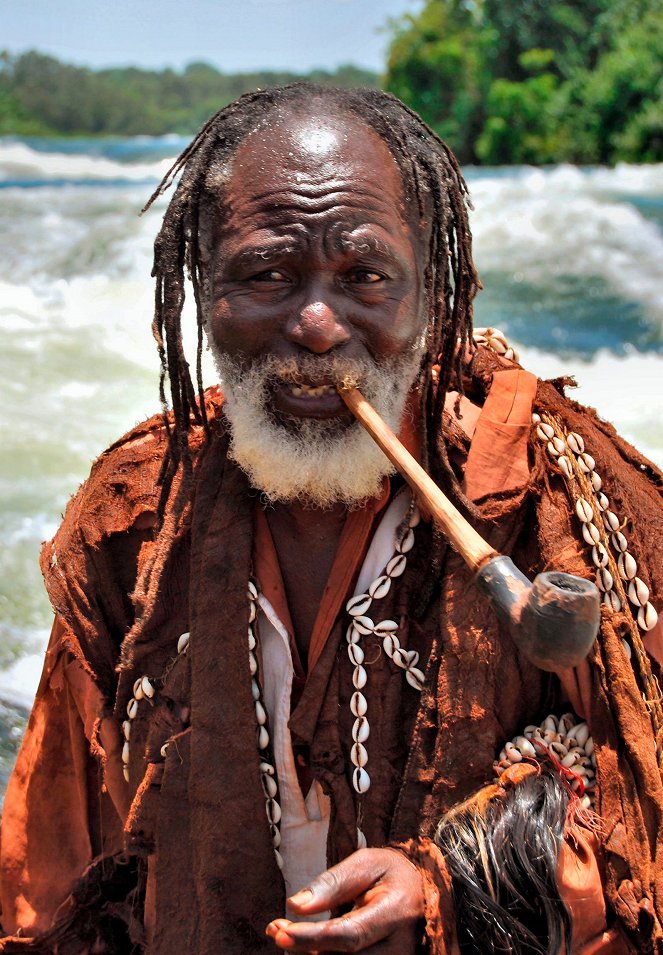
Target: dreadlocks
[(431, 178)]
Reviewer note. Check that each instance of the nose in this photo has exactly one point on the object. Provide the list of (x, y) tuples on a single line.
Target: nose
[(317, 327)]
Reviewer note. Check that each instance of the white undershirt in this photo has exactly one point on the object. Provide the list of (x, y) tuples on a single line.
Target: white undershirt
[(304, 822)]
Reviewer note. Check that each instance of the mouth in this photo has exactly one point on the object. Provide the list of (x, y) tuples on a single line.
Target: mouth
[(308, 399)]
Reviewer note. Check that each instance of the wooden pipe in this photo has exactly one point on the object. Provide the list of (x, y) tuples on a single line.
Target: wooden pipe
[(553, 621)]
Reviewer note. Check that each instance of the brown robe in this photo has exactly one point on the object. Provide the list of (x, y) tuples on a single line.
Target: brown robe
[(194, 818)]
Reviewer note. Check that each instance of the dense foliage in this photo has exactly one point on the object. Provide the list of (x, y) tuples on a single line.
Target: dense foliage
[(39, 95), (535, 81)]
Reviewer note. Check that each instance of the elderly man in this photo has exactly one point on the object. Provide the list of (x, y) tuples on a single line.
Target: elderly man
[(180, 790)]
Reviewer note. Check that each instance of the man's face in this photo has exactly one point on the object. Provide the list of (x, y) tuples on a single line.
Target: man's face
[(316, 274)]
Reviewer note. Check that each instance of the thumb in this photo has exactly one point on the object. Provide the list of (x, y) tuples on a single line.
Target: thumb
[(342, 883)]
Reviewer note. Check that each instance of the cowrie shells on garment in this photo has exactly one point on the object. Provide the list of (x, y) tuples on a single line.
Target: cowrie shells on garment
[(279, 859), (638, 592), (591, 533), (261, 715), (612, 601), (412, 657), (269, 786), (414, 517), (147, 688), (355, 653), (380, 588), (604, 579), (406, 545), (611, 521), (255, 690), (619, 542), (132, 708), (125, 752), (575, 442), (361, 840), (647, 617), (361, 730), (125, 773), (558, 446), (396, 565), (164, 749), (399, 657), (252, 640), (364, 625), (599, 555), (252, 593), (263, 738), (545, 431), (565, 465), (358, 604), (524, 746), (358, 705), (415, 678), (627, 566), (584, 510), (390, 644), (580, 733), (359, 678), (361, 780), (604, 503), (252, 611), (536, 418), (596, 481), (586, 462), (627, 648), (358, 754), (183, 643), (126, 729), (266, 768), (513, 754), (137, 688), (253, 664), (276, 836), (352, 635), (384, 627), (273, 811)]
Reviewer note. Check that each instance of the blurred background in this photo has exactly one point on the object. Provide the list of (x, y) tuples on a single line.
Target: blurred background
[(555, 110)]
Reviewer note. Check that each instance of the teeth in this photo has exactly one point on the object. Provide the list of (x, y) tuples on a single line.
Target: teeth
[(311, 391)]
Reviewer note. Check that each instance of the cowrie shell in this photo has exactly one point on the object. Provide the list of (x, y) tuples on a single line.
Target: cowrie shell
[(364, 625), (164, 749), (412, 657), (358, 605), (575, 442), (604, 579), (396, 565), (252, 611), (379, 588), (612, 601), (361, 730), (619, 542), (352, 635), (415, 678), (599, 556), (591, 533), (512, 753), (132, 708), (263, 738), (524, 746), (580, 733), (276, 836), (604, 503), (125, 752), (255, 690), (399, 658), (359, 678), (627, 648), (125, 773), (558, 444), (390, 644), (536, 418), (638, 592), (266, 768), (361, 780), (126, 729), (252, 591), (253, 664), (406, 545), (414, 517), (261, 715), (647, 617), (552, 450), (361, 840), (611, 521), (183, 643), (584, 510), (545, 431), (596, 481), (279, 859), (358, 705), (358, 754), (137, 687), (627, 566), (273, 811), (252, 640), (147, 688), (355, 653), (385, 626), (586, 463), (565, 465), (269, 786)]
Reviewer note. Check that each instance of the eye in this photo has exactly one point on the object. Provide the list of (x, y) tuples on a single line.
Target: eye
[(366, 277), (270, 275)]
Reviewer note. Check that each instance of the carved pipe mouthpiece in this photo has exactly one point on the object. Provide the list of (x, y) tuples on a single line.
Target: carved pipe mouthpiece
[(553, 621)]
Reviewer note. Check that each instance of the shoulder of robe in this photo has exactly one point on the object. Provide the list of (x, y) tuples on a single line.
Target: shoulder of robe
[(119, 499)]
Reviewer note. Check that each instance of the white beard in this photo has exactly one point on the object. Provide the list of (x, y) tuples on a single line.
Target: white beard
[(319, 463)]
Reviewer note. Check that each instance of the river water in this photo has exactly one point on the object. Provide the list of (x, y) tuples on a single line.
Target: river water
[(571, 261)]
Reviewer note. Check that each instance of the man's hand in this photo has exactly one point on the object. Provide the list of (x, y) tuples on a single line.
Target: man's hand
[(388, 898)]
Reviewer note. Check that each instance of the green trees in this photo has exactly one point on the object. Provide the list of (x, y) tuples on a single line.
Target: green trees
[(39, 95), (535, 81)]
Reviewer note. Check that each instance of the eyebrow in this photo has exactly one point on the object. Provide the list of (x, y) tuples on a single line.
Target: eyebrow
[(262, 254)]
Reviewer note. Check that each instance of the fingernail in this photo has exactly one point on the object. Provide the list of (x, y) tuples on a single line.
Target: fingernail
[(301, 898), (271, 930)]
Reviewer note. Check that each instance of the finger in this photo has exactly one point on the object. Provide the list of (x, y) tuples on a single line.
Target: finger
[(354, 932), (342, 883)]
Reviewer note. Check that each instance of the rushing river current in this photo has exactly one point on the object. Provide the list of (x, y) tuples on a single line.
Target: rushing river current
[(571, 260)]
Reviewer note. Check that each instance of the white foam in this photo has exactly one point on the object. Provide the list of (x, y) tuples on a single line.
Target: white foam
[(18, 161)]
